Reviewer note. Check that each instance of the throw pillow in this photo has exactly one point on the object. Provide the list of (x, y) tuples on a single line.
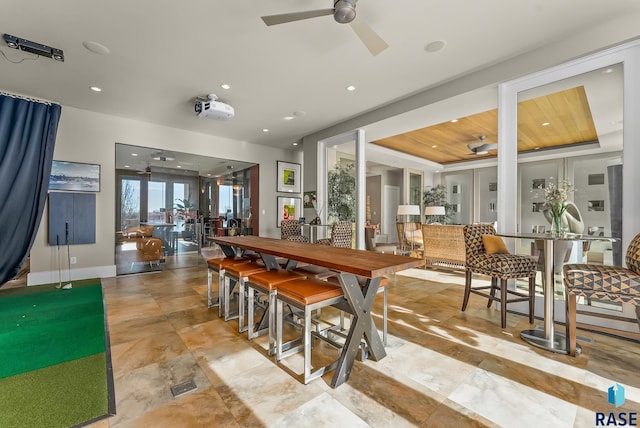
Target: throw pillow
[(494, 245)]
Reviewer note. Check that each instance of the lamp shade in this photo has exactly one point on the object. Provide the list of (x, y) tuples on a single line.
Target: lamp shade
[(408, 209), (434, 211)]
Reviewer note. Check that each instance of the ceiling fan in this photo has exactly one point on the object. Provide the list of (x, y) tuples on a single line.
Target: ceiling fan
[(147, 171), (344, 12), (480, 147)]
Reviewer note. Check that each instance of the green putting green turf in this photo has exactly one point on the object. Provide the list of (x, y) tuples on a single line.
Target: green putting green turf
[(53, 361), (51, 327)]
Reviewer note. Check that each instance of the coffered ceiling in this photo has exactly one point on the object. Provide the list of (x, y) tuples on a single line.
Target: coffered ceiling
[(574, 113)]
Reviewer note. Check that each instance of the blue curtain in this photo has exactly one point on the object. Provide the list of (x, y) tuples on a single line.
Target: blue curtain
[(27, 136)]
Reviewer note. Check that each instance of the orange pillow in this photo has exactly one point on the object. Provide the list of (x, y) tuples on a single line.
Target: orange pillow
[(494, 245)]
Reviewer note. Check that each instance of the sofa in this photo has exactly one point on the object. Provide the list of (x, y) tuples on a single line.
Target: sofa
[(443, 246)]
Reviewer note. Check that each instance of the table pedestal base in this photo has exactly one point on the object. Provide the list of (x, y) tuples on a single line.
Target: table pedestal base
[(538, 338)]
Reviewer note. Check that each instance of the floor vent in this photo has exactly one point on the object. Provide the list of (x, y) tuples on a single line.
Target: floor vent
[(183, 388)]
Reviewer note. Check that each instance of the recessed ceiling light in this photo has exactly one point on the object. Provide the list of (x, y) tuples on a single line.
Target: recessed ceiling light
[(134, 154), (546, 124), (350, 88), (265, 130), (178, 166), (608, 70), (295, 144), (96, 48), (454, 120), (289, 117), (335, 146), (208, 175), (127, 166), (225, 86), (436, 46), (434, 146), (95, 89)]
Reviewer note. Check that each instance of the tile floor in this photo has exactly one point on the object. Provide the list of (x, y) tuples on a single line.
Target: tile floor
[(444, 367)]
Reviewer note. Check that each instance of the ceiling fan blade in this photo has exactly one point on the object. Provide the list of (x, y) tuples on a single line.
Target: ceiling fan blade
[(370, 38), (295, 16)]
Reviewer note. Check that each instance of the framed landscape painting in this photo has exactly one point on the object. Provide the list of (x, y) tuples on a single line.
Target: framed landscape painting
[(74, 176), (289, 208), (288, 177)]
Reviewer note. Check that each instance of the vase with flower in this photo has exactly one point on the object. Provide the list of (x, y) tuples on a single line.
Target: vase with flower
[(555, 199)]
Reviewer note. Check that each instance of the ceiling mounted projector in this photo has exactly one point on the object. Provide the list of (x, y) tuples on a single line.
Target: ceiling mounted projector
[(213, 109), (33, 47)]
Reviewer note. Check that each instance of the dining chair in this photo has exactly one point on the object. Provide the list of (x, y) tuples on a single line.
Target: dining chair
[(291, 230), (600, 282), (485, 255), (341, 235)]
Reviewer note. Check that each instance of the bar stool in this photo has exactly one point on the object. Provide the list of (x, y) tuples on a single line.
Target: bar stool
[(306, 295), (266, 283), (219, 265), (239, 274), (382, 288)]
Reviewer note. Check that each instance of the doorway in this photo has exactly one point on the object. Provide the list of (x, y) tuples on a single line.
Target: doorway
[(169, 203)]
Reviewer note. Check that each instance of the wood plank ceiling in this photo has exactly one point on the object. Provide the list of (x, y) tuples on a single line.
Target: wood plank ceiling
[(551, 121)]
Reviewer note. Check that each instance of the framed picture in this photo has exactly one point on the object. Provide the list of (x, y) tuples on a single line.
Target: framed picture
[(493, 187), (538, 183), (74, 176), (308, 199), (289, 208), (288, 177)]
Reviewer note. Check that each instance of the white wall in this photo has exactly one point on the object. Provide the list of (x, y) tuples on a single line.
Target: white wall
[(89, 137)]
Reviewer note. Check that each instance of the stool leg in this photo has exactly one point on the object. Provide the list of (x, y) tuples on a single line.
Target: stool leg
[(273, 294), (278, 330), (307, 344), (251, 308), (209, 281), (221, 301), (242, 284)]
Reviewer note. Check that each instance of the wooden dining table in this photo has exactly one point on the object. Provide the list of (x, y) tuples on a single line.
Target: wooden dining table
[(348, 264)]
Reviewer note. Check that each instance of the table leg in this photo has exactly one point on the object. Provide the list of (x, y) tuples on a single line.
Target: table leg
[(548, 339), (362, 326)]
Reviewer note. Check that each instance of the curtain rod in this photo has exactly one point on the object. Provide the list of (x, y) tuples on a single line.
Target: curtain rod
[(24, 97)]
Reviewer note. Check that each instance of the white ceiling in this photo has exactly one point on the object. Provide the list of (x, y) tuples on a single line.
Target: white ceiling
[(163, 54)]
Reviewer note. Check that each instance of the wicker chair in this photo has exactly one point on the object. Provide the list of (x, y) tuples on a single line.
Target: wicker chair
[(291, 230), (608, 283), (340, 235), (499, 267)]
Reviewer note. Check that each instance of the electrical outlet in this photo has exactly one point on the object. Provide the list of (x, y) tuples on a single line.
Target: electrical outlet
[(74, 260)]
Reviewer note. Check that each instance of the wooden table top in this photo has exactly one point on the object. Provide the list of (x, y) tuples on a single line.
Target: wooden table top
[(359, 262)]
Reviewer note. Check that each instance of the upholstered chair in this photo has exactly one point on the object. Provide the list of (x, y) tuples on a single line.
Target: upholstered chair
[(486, 254), (291, 230), (148, 250), (600, 282), (340, 235)]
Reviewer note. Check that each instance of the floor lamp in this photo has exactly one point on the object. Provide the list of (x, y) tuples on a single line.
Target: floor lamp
[(433, 211), (407, 210)]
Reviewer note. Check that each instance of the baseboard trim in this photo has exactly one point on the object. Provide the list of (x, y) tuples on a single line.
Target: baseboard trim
[(53, 276)]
